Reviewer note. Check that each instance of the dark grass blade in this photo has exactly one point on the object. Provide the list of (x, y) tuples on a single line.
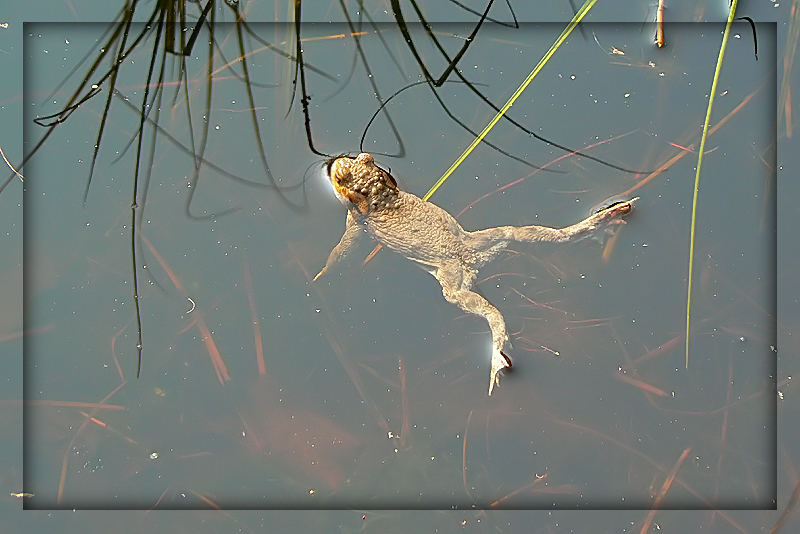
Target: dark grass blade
[(187, 49), (755, 37), (401, 23), (71, 106), (135, 197), (159, 93), (251, 99), (199, 155), (183, 148), (271, 47), (104, 116), (299, 71), (542, 62), (106, 49), (371, 78), (514, 24)]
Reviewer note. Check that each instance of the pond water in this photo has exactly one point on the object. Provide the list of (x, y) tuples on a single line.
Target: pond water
[(365, 389)]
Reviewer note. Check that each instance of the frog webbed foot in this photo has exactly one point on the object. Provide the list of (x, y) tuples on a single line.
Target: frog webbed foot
[(613, 214), (499, 362)]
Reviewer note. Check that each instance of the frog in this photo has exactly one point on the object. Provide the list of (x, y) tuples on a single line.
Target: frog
[(427, 234)]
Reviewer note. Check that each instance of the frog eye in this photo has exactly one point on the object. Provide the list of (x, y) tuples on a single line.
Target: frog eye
[(388, 178), (391, 178)]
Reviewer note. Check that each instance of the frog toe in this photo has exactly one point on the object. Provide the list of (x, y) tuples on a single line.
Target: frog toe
[(500, 361)]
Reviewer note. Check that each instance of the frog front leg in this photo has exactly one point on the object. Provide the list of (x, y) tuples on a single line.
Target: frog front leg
[(345, 244), (456, 280)]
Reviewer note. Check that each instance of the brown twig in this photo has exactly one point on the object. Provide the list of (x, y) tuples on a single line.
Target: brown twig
[(205, 333), (660, 24), (258, 338), (663, 491)]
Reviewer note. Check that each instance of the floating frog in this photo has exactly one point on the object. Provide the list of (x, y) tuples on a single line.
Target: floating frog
[(425, 233)]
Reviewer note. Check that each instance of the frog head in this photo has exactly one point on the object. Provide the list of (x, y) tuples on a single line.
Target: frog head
[(358, 182)]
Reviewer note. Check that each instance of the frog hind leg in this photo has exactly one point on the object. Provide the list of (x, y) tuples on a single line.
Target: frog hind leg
[(483, 240), (456, 280)]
